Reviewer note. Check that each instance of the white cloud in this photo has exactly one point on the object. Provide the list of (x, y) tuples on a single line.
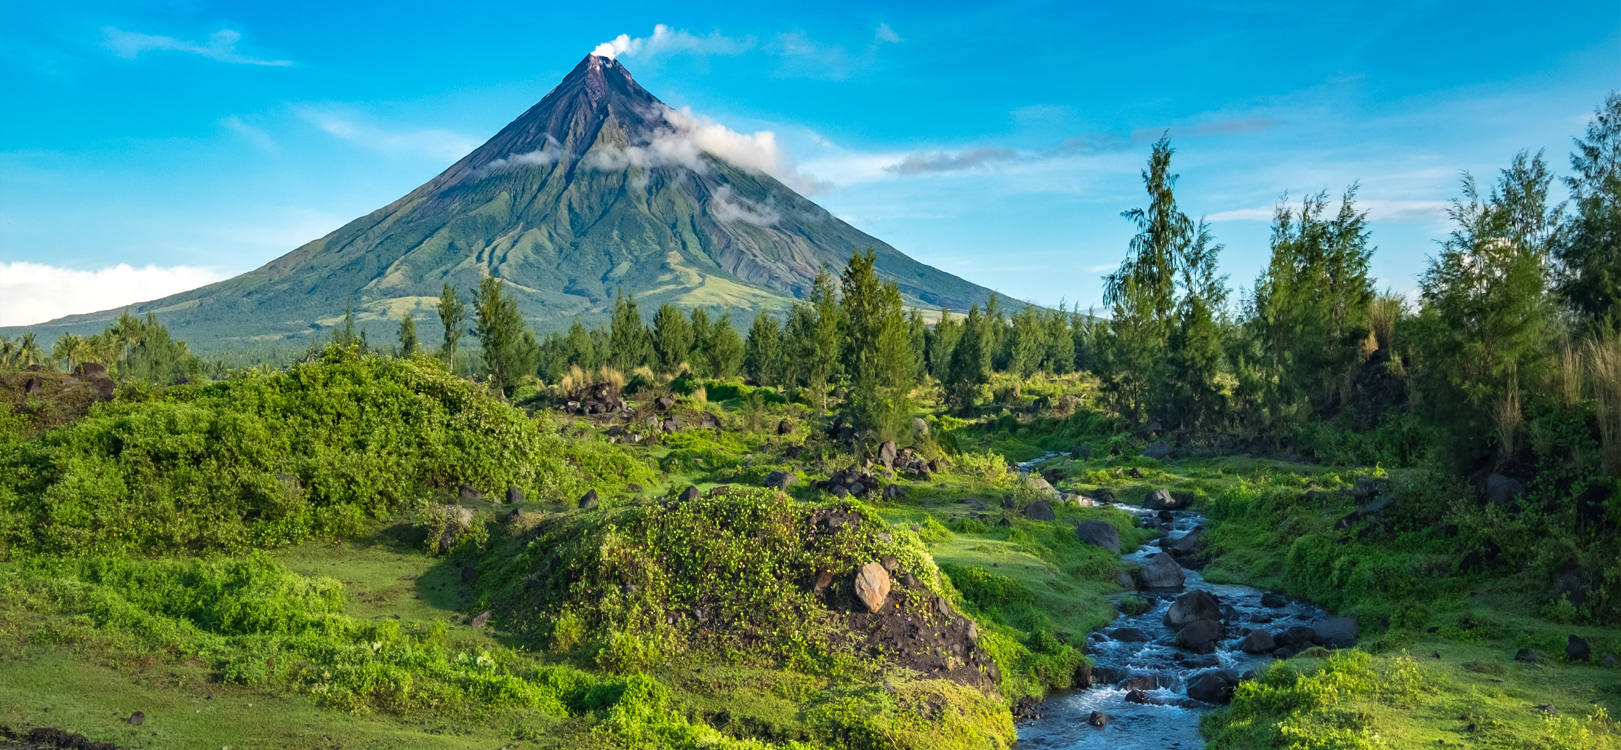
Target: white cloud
[(540, 157), (728, 208), (667, 40), (221, 46), (685, 137), (1378, 210), (886, 34), (32, 293), (434, 144)]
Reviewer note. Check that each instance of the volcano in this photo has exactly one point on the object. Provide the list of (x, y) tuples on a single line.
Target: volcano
[(597, 189)]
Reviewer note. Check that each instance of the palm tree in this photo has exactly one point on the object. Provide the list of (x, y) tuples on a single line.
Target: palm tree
[(70, 349), (8, 350), (28, 351)]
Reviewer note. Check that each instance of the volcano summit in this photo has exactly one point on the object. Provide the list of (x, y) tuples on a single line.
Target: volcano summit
[(600, 187)]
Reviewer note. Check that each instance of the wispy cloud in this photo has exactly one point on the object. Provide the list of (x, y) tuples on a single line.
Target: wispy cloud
[(432, 143), (221, 46), (666, 40), (886, 34), (252, 134), (32, 293), (940, 161), (685, 137), (1378, 210)]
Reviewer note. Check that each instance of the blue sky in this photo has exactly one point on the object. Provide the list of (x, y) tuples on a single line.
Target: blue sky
[(194, 140)]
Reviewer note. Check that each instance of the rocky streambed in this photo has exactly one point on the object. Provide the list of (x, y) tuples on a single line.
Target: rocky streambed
[(1156, 672)]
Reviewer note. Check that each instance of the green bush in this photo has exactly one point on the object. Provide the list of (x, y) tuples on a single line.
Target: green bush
[(270, 460)]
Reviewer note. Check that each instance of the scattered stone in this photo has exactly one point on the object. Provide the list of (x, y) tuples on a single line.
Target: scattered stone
[(1577, 649), (689, 494), (34, 386), (1338, 632), (872, 586), (708, 421), (1161, 499), (664, 403), (1158, 450), (139, 717), (1258, 642), (823, 580), (1124, 579), (920, 426), (1548, 709), (1040, 510), (1193, 607), (1100, 534), (1212, 687), (1136, 473), (670, 425), (780, 480), (1161, 572), (460, 519), (481, 619), (1189, 544), (886, 454), (467, 494), (1273, 601), (1528, 656), (894, 492), (1200, 637), (1501, 489), (784, 427), (858, 489), (1129, 635), (1141, 698), (1612, 661), (1098, 719), (588, 500), (840, 492), (1283, 653), (514, 494), (1296, 637)]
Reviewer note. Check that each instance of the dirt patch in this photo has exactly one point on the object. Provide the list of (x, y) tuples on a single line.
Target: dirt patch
[(46, 738)]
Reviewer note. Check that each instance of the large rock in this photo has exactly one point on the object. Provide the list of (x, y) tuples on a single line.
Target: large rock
[(1258, 642), (1297, 637), (1192, 607), (1158, 451), (1039, 510), (689, 494), (920, 426), (1212, 687), (1273, 601), (664, 404), (1191, 543), (784, 427), (514, 494), (459, 519), (887, 453), (1501, 489), (1161, 572), (1042, 485), (1129, 635), (467, 494), (89, 370), (872, 586), (780, 479), (1161, 499), (1200, 637), (1577, 649), (1101, 534), (1338, 632), (588, 500)]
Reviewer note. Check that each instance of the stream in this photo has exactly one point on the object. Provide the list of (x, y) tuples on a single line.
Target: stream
[(1156, 666)]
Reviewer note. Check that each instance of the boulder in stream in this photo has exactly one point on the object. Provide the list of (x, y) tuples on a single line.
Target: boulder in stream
[(1200, 637), (1099, 534), (1213, 687), (1258, 642), (1161, 572), (1338, 632), (1192, 607)]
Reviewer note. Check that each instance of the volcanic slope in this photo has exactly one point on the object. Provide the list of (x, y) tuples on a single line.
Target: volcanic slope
[(600, 187)]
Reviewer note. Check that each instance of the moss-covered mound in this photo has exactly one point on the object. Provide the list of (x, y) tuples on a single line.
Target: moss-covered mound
[(747, 573), (269, 460)]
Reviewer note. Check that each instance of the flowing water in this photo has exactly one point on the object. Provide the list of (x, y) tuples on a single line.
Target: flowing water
[(1156, 666)]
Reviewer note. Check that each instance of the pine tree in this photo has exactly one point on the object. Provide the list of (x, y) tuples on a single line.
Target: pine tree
[(453, 315), (942, 339), (725, 348), (1485, 309), (970, 365), (500, 330), (1059, 359), (345, 335), (878, 348), (762, 351), (702, 356), (672, 338), (818, 335), (580, 348), (629, 344), (409, 345), (1141, 294), (996, 330), (1190, 391), (918, 330), (1027, 343), (1589, 255)]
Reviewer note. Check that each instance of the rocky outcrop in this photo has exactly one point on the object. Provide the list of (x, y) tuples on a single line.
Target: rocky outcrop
[(688, 495), (1576, 649), (1161, 499), (780, 480), (1040, 510), (588, 500), (1501, 489)]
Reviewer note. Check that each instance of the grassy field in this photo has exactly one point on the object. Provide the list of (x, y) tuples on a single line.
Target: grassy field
[(364, 637)]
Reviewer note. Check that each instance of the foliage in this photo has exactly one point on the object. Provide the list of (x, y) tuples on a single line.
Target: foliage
[(453, 316), (877, 349), (509, 348), (269, 460), (1588, 254)]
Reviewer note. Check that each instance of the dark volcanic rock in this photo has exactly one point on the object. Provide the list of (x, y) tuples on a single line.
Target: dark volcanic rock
[(1273, 601), (1296, 637), (1501, 489), (689, 494), (1528, 656), (588, 500), (467, 494), (1257, 642), (1339, 632), (514, 494), (1192, 607), (1212, 687), (780, 479), (1098, 719), (1040, 510), (1200, 637), (1161, 499), (1576, 649), (1161, 572), (1099, 533), (1129, 635)]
